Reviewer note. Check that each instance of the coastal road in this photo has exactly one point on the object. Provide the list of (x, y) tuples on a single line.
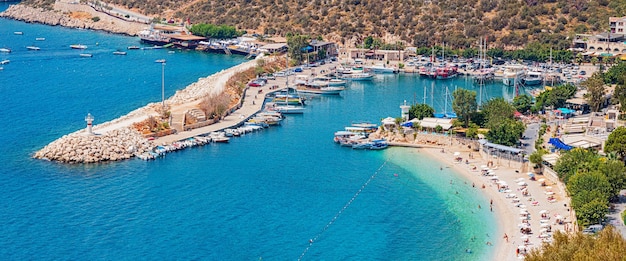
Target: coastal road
[(530, 136)]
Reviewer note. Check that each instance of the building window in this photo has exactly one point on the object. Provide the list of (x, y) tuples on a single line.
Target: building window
[(620, 23), (619, 30)]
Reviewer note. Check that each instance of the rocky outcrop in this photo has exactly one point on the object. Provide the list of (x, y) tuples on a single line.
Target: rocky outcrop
[(80, 147), (62, 17)]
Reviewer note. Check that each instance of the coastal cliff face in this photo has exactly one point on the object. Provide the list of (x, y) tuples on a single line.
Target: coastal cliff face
[(73, 16)]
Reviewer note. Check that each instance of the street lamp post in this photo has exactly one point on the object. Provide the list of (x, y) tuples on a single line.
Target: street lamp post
[(163, 85)]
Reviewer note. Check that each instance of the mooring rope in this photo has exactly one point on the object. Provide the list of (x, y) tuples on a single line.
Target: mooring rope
[(314, 239)]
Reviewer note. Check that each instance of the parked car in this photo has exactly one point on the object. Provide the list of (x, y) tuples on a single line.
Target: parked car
[(593, 229), (582, 73), (297, 69)]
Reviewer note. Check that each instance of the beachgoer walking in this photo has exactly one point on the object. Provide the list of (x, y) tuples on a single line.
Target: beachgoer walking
[(506, 237)]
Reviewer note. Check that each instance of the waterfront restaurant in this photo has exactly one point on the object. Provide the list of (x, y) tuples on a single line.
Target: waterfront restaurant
[(328, 47), (274, 48)]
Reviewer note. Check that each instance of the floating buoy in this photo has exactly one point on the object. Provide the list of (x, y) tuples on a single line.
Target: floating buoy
[(395, 174)]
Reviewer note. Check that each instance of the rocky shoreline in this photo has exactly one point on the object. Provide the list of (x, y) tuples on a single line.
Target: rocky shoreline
[(60, 16)]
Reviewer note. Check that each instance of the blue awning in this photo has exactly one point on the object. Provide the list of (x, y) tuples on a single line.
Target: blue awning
[(307, 49), (566, 111), (407, 124), (559, 144)]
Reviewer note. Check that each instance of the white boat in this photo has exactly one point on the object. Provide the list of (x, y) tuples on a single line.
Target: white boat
[(86, 55), (78, 46), (533, 78), (512, 74), (329, 90), (33, 48), (381, 69), (5, 50), (133, 47), (219, 136), (5, 62), (119, 53), (18, 33), (40, 39), (160, 61), (357, 75), (289, 109)]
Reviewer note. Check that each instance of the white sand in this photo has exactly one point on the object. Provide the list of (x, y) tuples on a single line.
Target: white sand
[(507, 213)]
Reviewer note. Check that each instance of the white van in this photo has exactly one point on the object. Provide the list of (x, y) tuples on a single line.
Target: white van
[(593, 229)]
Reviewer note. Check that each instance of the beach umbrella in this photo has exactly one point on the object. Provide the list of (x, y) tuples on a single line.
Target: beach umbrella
[(521, 206), (548, 188), (543, 211), (512, 195), (530, 174), (484, 166), (456, 153), (550, 193), (494, 177), (522, 183), (519, 180), (545, 225), (558, 217), (523, 212), (541, 180), (524, 237)]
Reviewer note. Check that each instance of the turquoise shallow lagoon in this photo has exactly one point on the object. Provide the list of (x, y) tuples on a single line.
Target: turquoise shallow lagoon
[(263, 195)]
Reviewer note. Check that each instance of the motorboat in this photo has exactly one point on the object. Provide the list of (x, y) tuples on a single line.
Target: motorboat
[(33, 48), (382, 69), (159, 61), (119, 53), (133, 47), (18, 33), (86, 55), (533, 78), (219, 137), (357, 76), (512, 74), (5, 50), (40, 39), (78, 46), (379, 144), (4, 62)]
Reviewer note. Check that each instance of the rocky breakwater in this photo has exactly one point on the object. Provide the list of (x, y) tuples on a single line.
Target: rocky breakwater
[(80, 147), (73, 16)]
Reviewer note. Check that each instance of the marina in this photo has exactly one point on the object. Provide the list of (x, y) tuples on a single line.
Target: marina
[(236, 191)]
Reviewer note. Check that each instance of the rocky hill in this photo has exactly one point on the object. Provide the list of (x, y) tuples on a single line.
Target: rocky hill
[(506, 23)]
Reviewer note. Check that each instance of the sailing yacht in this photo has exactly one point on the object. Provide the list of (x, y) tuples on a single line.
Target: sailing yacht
[(287, 108)]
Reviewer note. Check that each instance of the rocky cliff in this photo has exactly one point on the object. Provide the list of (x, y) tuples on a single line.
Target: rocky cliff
[(73, 16)]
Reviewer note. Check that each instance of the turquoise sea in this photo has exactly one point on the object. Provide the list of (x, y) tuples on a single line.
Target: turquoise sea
[(263, 196)]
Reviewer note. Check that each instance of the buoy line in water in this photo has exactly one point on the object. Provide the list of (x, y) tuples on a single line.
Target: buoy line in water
[(312, 240)]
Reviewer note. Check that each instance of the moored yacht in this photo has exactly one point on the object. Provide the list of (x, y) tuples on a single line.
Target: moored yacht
[(533, 78), (512, 74)]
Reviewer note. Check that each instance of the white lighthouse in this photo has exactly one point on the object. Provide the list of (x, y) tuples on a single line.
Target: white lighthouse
[(405, 111), (89, 120)]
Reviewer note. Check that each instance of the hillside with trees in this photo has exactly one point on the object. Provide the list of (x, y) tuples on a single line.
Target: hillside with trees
[(460, 23)]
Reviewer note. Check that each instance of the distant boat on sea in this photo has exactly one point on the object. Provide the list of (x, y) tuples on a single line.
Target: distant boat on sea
[(133, 47), (40, 39), (33, 48), (86, 55), (18, 33), (5, 62), (160, 61), (119, 53), (78, 46), (5, 50)]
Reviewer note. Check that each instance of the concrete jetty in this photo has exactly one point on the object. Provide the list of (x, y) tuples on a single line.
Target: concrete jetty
[(117, 140)]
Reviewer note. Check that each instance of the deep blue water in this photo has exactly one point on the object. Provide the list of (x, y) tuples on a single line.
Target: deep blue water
[(263, 195)]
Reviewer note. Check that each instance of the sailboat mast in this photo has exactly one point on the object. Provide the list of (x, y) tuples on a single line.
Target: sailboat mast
[(424, 94)]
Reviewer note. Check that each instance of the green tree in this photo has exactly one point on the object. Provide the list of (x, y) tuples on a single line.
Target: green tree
[(615, 173), (594, 60), (619, 95), (507, 132), (615, 74), (535, 157), (579, 58), (574, 161), (592, 213), (616, 142), (297, 43), (421, 111), (595, 91), (497, 111), (522, 103), (591, 184), (464, 104), (608, 244)]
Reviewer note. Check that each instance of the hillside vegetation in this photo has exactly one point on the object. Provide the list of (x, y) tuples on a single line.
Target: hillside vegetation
[(506, 23)]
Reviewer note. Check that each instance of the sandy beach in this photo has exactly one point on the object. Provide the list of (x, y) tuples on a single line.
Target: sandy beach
[(508, 209)]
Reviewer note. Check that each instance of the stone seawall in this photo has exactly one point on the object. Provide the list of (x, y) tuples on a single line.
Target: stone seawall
[(60, 15), (81, 147)]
